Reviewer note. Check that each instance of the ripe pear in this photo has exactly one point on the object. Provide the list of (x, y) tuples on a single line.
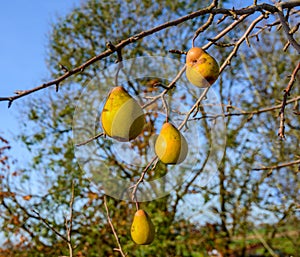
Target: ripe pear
[(142, 228), (171, 146), (202, 70), (122, 117)]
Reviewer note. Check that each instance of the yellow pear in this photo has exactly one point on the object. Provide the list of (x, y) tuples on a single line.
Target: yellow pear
[(202, 70), (122, 117), (170, 145), (142, 228)]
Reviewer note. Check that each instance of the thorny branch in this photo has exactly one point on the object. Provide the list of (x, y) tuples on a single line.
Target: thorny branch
[(284, 101), (208, 10)]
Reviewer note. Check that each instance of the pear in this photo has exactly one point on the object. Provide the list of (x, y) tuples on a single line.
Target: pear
[(171, 146), (142, 228), (202, 70), (122, 117)]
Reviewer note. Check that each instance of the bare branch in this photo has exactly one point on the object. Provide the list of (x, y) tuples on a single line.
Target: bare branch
[(203, 27), (248, 113), (119, 249), (284, 101), (140, 180), (286, 26), (50, 227), (279, 166), (91, 139), (117, 48), (195, 106), (69, 222), (240, 41)]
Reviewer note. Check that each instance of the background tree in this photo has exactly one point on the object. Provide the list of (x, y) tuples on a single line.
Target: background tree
[(257, 184)]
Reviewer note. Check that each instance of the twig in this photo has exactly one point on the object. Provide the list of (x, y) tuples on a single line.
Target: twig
[(140, 180), (225, 31), (265, 244), (279, 166), (50, 227), (287, 28), (203, 27), (240, 41), (284, 101), (119, 249), (250, 113), (196, 105), (170, 86), (69, 222), (91, 139), (175, 51)]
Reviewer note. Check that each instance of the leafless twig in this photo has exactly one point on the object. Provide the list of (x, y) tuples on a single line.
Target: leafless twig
[(279, 166), (119, 249), (48, 225), (140, 180), (284, 101), (91, 139), (69, 222), (286, 26)]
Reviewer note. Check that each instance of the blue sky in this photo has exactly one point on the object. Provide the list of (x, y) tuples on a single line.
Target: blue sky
[(24, 26)]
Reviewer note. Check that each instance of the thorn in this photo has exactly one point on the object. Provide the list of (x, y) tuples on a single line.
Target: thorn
[(18, 92), (9, 103), (56, 87), (64, 68), (110, 46)]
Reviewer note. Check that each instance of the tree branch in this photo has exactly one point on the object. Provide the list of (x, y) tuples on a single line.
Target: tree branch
[(117, 48), (69, 222), (284, 101), (279, 166), (119, 249), (286, 26)]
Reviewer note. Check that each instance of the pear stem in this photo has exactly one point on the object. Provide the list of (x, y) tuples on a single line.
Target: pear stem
[(137, 205)]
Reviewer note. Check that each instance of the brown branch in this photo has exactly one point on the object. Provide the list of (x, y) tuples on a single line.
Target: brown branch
[(195, 106), (249, 113), (284, 101), (286, 26), (208, 10), (240, 41), (119, 249), (50, 227), (69, 222), (91, 139), (140, 180), (203, 27), (279, 166), (167, 88), (225, 31), (175, 51)]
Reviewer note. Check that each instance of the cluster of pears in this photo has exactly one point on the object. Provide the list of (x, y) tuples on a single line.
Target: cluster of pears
[(202, 70), (142, 228), (123, 119)]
